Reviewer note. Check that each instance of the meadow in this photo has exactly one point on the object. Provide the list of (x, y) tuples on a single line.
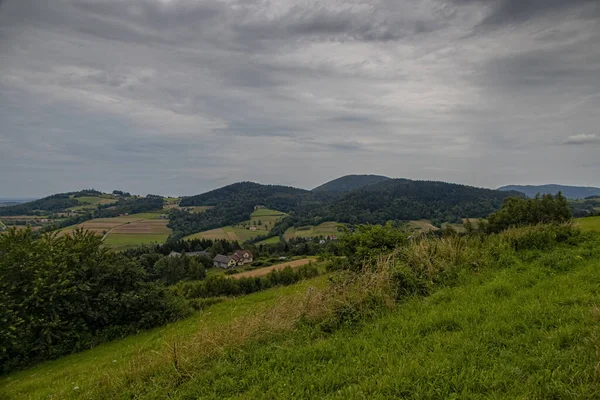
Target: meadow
[(589, 224), (509, 316), (324, 229), (261, 220)]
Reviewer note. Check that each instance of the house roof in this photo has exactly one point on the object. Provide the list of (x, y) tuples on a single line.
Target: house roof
[(240, 253), (174, 254), (220, 258)]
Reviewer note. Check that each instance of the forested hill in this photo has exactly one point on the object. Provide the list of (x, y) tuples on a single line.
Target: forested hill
[(391, 199), (246, 195), (403, 199), (349, 183), (570, 192), (234, 203), (54, 203)]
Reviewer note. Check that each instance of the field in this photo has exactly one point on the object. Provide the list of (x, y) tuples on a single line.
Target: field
[(324, 229), (422, 225), (127, 231), (525, 330), (91, 202), (589, 224), (264, 271), (262, 220)]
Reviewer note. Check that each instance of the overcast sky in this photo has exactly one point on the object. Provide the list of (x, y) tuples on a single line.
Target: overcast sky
[(179, 97)]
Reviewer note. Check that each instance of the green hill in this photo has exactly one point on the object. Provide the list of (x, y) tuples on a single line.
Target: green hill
[(349, 183), (570, 192), (403, 199), (506, 316)]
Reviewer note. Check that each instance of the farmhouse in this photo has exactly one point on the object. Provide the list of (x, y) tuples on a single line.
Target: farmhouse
[(222, 261), (242, 257)]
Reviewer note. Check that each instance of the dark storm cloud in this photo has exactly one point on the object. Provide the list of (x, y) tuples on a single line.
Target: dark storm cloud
[(180, 96), (516, 11)]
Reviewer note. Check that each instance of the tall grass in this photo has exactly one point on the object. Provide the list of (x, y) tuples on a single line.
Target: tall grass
[(415, 269)]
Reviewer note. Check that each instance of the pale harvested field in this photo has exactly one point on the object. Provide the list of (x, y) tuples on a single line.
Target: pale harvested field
[(266, 270), (145, 226)]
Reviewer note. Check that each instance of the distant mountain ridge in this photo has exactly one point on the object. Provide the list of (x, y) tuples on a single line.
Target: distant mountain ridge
[(349, 183), (570, 192)]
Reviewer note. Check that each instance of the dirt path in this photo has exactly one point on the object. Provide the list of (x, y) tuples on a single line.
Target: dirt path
[(266, 270)]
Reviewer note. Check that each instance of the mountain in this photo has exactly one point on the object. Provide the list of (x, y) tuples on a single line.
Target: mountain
[(570, 192), (404, 199), (349, 183)]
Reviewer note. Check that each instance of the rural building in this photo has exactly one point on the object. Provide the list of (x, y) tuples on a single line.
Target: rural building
[(174, 254), (252, 228), (222, 261), (259, 207), (242, 257)]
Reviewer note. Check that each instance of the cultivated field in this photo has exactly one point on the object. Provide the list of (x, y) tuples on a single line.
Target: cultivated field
[(126, 231), (264, 271), (261, 221), (324, 229)]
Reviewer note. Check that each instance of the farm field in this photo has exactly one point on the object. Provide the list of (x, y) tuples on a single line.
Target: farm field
[(262, 220), (589, 224), (126, 231), (264, 271), (422, 225), (324, 229), (91, 202)]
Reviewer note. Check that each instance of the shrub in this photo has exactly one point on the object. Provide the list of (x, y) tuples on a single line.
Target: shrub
[(61, 295)]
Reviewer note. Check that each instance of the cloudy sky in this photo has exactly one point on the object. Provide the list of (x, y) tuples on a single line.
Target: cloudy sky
[(182, 96)]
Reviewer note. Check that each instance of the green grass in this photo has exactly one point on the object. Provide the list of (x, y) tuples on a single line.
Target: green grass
[(589, 224), (120, 241), (85, 368), (528, 331), (267, 218), (271, 240), (324, 229)]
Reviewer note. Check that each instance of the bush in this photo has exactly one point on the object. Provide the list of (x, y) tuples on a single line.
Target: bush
[(61, 295)]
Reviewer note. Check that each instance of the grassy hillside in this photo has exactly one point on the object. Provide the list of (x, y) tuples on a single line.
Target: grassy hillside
[(323, 229), (262, 220), (589, 224), (511, 316)]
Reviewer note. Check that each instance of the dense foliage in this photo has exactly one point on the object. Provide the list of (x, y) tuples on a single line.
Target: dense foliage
[(215, 286), (540, 210), (349, 183), (61, 295), (570, 192), (588, 207), (403, 200), (54, 203), (388, 200)]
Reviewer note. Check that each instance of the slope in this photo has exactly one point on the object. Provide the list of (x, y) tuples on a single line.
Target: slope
[(570, 192), (527, 328), (349, 183), (403, 199)]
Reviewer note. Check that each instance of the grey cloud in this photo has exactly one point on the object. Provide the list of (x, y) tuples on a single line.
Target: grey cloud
[(504, 12), (182, 96), (583, 139)]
